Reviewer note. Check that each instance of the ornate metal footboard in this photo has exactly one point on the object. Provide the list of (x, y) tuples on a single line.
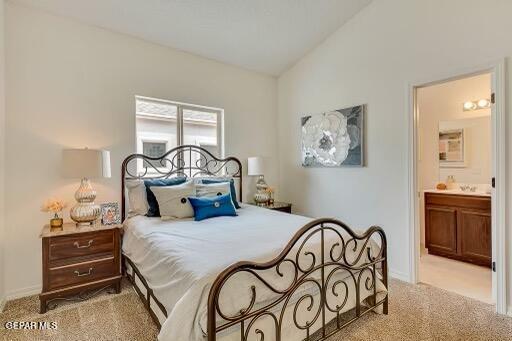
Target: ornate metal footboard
[(324, 268)]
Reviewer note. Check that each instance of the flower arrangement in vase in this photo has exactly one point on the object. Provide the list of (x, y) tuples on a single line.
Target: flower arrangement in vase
[(54, 206)]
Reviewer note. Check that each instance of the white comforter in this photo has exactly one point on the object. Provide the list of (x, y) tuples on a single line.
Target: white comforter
[(181, 259)]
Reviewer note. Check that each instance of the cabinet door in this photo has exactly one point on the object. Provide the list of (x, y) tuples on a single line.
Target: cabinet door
[(441, 229), (475, 236)]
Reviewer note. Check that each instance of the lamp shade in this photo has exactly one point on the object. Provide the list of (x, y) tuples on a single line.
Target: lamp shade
[(255, 166), (86, 163)]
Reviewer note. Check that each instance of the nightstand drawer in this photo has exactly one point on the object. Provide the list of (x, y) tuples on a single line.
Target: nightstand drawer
[(81, 273), (86, 244)]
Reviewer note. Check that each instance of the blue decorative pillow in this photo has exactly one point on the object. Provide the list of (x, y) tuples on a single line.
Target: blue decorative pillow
[(209, 207), (231, 184), (154, 210)]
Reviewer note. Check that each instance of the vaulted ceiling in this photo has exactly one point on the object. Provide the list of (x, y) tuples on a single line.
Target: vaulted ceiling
[(261, 35)]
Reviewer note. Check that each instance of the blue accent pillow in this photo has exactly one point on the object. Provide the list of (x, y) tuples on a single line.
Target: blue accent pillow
[(231, 184), (209, 207), (153, 209)]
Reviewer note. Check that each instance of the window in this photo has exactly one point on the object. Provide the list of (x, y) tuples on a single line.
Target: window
[(154, 149), (162, 125)]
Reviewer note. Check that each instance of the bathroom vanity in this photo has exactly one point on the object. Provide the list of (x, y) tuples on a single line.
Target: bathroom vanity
[(458, 225)]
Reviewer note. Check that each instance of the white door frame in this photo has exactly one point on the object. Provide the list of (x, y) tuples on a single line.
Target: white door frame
[(497, 71)]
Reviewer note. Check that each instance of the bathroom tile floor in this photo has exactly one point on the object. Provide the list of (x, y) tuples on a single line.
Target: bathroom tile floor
[(462, 278)]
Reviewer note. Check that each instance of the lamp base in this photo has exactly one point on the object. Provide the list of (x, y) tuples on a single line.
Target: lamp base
[(262, 196), (85, 212)]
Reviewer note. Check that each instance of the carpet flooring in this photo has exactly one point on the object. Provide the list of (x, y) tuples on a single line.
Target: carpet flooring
[(416, 312)]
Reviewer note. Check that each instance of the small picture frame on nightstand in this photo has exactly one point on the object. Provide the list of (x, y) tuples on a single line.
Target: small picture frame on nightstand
[(110, 213)]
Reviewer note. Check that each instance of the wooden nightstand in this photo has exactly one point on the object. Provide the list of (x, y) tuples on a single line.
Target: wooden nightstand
[(278, 206), (78, 260)]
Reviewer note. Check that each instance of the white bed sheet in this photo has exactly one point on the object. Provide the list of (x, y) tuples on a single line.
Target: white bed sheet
[(180, 259)]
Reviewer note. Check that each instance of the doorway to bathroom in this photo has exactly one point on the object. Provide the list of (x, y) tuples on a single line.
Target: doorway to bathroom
[(456, 160)]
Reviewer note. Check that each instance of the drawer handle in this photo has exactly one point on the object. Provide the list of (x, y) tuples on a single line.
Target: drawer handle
[(78, 246), (79, 274)]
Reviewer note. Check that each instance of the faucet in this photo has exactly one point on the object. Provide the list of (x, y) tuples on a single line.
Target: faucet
[(468, 188)]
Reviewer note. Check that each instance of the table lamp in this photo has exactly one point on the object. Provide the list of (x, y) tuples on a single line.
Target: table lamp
[(85, 164), (255, 167)]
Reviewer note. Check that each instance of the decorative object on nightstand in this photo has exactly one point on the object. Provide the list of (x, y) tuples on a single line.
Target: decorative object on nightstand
[(79, 262), (110, 213), (85, 163), (270, 191), (278, 206), (255, 167), (54, 206)]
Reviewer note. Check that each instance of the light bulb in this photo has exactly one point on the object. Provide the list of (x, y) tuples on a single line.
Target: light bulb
[(484, 103), (469, 106)]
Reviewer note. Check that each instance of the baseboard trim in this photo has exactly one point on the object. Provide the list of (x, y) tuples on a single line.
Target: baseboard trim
[(24, 292), (509, 311), (400, 275)]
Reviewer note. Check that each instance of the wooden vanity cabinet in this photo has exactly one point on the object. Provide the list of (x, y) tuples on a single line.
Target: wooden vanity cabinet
[(459, 227)]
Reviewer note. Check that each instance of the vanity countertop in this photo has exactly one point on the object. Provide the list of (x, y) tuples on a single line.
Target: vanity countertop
[(458, 192)]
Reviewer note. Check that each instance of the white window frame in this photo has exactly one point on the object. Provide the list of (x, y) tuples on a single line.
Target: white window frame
[(154, 140), (179, 118)]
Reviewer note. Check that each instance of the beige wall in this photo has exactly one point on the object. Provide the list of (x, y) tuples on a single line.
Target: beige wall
[(372, 60), (2, 155), (442, 103), (72, 85)]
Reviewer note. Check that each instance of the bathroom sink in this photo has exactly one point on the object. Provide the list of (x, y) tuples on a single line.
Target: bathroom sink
[(459, 191), (468, 188)]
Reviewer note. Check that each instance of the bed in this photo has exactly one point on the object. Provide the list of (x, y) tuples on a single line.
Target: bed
[(263, 275)]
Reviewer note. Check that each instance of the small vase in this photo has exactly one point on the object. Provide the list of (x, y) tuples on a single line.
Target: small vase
[(56, 222)]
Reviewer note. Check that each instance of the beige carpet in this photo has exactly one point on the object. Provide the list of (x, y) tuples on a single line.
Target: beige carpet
[(417, 312)]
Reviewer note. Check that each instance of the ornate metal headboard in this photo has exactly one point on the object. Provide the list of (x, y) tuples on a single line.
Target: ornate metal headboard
[(187, 160)]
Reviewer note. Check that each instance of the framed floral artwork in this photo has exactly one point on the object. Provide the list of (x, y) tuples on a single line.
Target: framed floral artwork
[(334, 138), (110, 214)]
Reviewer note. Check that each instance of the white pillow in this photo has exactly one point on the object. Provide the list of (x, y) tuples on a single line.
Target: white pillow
[(212, 190), (173, 200), (137, 198)]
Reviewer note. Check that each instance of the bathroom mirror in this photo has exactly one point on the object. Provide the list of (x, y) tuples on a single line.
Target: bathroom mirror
[(451, 147), (465, 149)]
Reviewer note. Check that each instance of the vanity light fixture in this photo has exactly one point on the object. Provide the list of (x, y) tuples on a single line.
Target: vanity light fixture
[(483, 103), (469, 106)]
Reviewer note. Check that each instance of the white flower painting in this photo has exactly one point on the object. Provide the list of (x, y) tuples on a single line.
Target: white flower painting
[(334, 138)]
